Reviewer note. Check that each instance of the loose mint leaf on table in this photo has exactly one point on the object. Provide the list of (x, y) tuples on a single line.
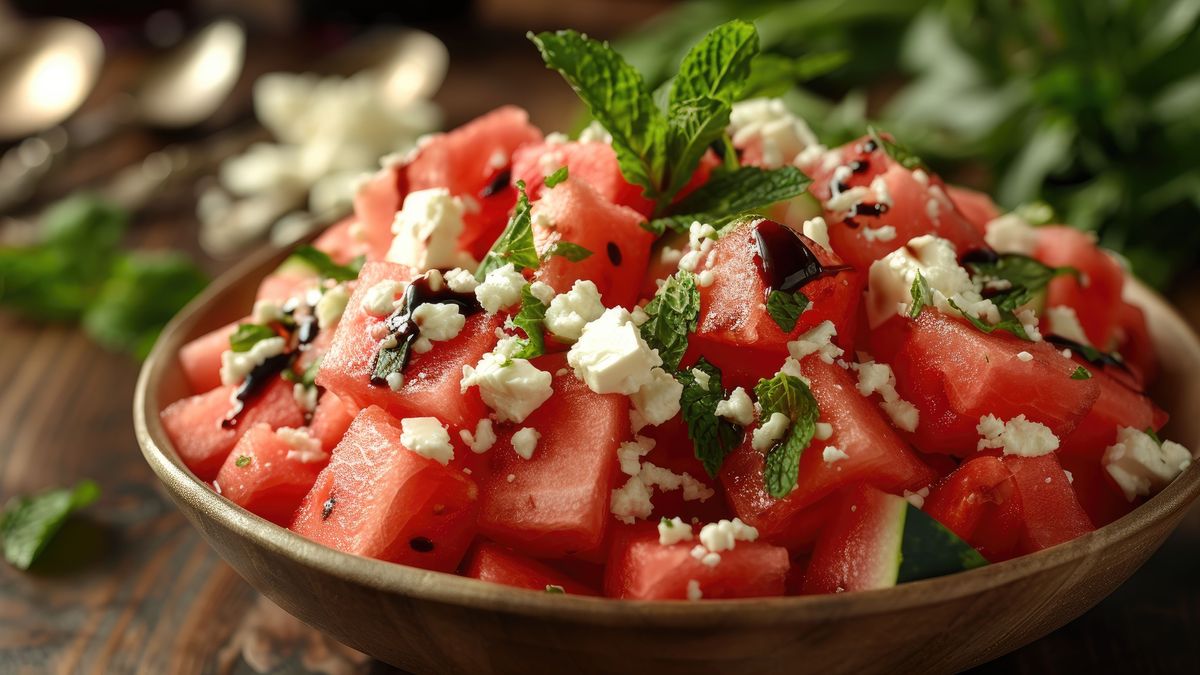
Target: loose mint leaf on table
[(785, 308), (922, 296), (29, 523), (788, 395), (515, 244), (531, 320), (674, 313), (249, 334), (556, 177), (728, 195), (617, 97), (713, 437), (565, 249), (325, 266)]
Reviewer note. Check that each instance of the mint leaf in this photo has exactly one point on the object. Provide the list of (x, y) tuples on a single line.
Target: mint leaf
[(694, 125), (674, 313), (1008, 322), (324, 266), (565, 249), (249, 334), (142, 293), (29, 523), (788, 395), (309, 377), (515, 244), (556, 177), (785, 308), (1081, 373), (712, 437), (718, 66), (897, 151), (1026, 276), (728, 195), (531, 320), (617, 97), (922, 296), (242, 461), (773, 75), (1149, 431)]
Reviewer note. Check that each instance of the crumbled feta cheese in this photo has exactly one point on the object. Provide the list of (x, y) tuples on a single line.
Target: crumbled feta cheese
[(513, 388), (567, 314), (917, 499), (890, 281), (817, 230), (738, 408), (595, 132), (1011, 234), (380, 299), (702, 378), (665, 479), (631, 501), (611, 356), (823, 432), (542, 291), (1063, 322), (235, 366), (672, 531), (525, 441), (832, 454), (266, 311), (439, 320), (881, 233), (1141, 467), (792, 367), (395, 381), (426, 231), (657, 400), (693, 590), (768, 433), (878, 378), (701, 238), (705, 279), (780, 134), (705, 557), (331, 306), (669, 255), (846, 200), (303, 447), (305, 397), (461, 281), (422, 345), (1024, 356), (879, 190), (510, 477), (723, 535), (501, 289), (1017, 436), (482, 440), (816, 341), (630, 454), (427, 437)]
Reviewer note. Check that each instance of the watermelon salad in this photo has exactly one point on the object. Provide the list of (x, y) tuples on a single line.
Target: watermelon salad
[(691, 354)]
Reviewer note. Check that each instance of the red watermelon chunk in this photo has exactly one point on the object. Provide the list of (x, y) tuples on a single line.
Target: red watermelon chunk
[(375, 205), (194, 424), (1119, 404), (557, 502), (331, 419), (640, 568), (258, 476), (1051, 513), (955, 374), (574, 212), (594, 163), (736, 333), (1098, 494), (979, 502), (1096, 297), (499, 565), (378, 499), (431, 380), (347, 239), (673, 450), (977, 207), (1134, 342), (876, 456), (201, 358)]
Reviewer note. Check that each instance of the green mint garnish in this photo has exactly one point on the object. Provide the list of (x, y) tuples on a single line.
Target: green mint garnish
[(249, 334), (242, 461), (730, 195), (1023, 279), (674, 313), (1081, 373), (922, 296), (897, 151), (556, 177), (1153, 435), (515, 244), (29, 523), (785, 308), (309, 377), (531, 320), (788, 395), (565, 249), (324, 265), (712, 437)]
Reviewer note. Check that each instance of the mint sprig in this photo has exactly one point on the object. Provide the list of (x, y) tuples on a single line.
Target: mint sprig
[(249, 334), (922, 296), (531, 319), (788, 395), (674, 313), (785, 308), (731, 194), (1025, 278), (515, 244), (568, 250), (712, 437), (324, 266), (29, 523)]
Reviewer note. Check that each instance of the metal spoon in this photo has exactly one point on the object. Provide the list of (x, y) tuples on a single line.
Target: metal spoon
[(47, 69)]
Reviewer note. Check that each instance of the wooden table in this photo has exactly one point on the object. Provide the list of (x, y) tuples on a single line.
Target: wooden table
[(139, 591)]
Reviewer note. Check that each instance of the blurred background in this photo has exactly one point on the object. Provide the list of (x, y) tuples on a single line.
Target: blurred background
[(146, 146)]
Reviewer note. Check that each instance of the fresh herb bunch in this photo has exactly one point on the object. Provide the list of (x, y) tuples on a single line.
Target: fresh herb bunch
[(1091, 107), (78, 272)]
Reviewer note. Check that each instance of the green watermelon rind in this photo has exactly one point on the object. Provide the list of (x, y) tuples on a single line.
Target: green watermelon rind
[(929, 549)]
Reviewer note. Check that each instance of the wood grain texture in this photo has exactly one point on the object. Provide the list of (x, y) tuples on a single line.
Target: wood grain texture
[(141, 592)]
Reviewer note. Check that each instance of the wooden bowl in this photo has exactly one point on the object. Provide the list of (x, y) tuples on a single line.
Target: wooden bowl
[(432, 622)]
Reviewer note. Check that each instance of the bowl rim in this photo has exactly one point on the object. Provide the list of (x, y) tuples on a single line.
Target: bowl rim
[(451, 589)]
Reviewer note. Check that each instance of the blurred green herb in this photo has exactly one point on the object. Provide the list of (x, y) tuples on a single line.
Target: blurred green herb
[(78, 272), (29, 523)]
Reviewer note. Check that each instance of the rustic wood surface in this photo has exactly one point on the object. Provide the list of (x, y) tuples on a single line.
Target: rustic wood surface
[(139, 591)]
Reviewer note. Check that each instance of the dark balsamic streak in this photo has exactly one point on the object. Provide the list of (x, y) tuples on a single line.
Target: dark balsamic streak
[(785, 261), (406, 331), (500, 182), (256, 380)]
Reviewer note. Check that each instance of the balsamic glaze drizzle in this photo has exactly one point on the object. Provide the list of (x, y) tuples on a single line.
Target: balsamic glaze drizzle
[(256, 380), (785, 262), (500, 182), (406, 331)]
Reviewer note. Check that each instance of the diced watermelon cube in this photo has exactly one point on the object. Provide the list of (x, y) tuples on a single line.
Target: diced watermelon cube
[(499, 565), (378, 499), (346, 240), (977, 207), (431, 380), (640, 568), (980, 503), (1096, 297), (194, 424), (557, 502), (1119, 404), (201, 358), (1051, 513), (375, 205), (258, 476), (331, 419), (593, 162)]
